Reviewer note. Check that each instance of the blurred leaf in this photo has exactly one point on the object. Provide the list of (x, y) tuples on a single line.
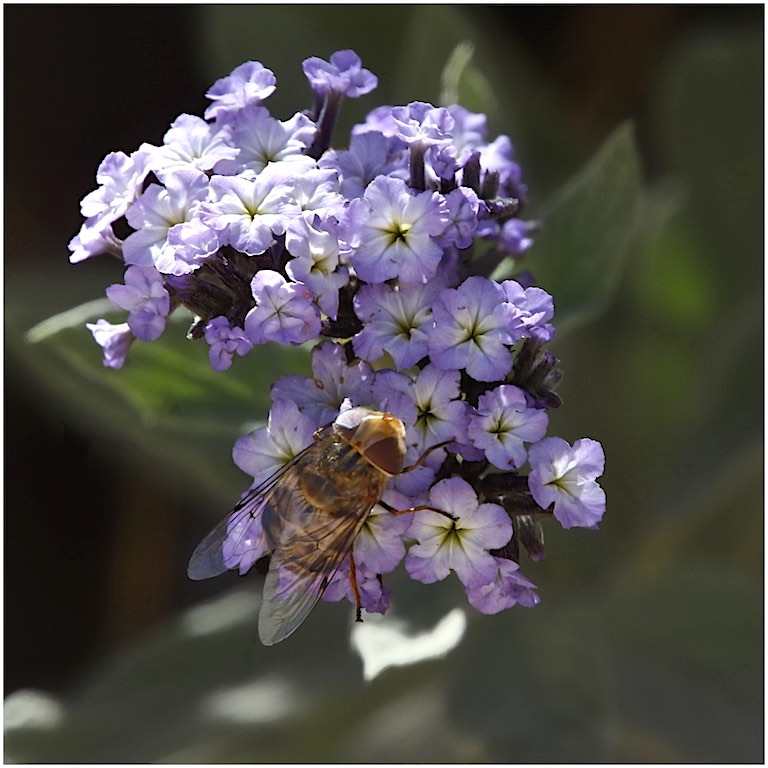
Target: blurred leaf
[(589, 227), (463, 83), (166, 400)]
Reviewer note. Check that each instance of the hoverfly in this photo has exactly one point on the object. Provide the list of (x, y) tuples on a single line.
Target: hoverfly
[(312, 510)]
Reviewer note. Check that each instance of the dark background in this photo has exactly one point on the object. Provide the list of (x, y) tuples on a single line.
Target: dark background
[(88, 569)]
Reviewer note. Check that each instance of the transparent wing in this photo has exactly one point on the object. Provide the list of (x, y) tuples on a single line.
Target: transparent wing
[(313, 542), (234, 530)]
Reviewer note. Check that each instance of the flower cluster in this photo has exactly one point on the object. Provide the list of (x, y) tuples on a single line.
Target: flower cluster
[(373, 251)]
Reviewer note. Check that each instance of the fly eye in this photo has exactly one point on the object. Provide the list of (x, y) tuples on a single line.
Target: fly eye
[(387, 454)]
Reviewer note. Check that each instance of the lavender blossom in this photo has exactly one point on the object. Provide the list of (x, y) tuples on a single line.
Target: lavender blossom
[(284, 311), (153, 215), (566, 477), (473, 328), (226, 341), (249, 84), (368, 250), (343, 74), (391, 232), (502, 423), (147, 300), (460, 545), (247, 212), (115, 340)]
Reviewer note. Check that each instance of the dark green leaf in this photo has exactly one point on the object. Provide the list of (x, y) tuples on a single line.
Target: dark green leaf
[(166, 400)]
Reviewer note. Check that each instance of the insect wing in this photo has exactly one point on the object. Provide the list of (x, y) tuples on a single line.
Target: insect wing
[(313, 543), (237, 537)]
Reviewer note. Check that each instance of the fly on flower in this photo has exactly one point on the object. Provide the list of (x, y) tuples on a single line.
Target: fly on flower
[(308, 515)]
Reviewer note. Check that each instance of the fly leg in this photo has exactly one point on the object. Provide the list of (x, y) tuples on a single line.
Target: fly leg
[(355, 588), (423, 456), (392, 510)]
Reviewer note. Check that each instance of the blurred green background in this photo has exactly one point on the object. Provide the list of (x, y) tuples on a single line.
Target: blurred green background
[(640, 132)]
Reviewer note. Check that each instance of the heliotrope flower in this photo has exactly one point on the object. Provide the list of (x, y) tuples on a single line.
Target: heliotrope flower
[(120, 178), (502, 423), (226, 341), (334, 379), (535, 309), (265, 450), (249, 84), (374, 248), (343, 74), (391, 232), (369, 155), (508, 588), (460, 545), (380, 544), (284, 312), (115, 340), (473, 329), (190, 144), (395, 319), (147, 300), (248, 212), (262, 140), (315, 262), (566, 477), (245, 542), (95, 237), (374, 597), (158, 210)]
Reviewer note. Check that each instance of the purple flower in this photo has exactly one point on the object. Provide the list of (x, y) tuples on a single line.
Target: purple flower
[(316, 192), (115, 340), (369, 155), (155, 213), (502, 422), (120, 178), (334, 379), (245, 542), (380, 120), (565, 477), (460, 545), (248, 84), (262, 140), (473, 325), (374, 598), (428, 405), (463, 206), (421, 125), (248, 212), (264, 451), (94, 238), (284, 312), (316, 261), (145, 298), (395, 320), (508, 588), (392, 232), (190, 144), (379, 545), (515, 236), (225, 341), (193, 243), (343, 75), (535, 309)]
